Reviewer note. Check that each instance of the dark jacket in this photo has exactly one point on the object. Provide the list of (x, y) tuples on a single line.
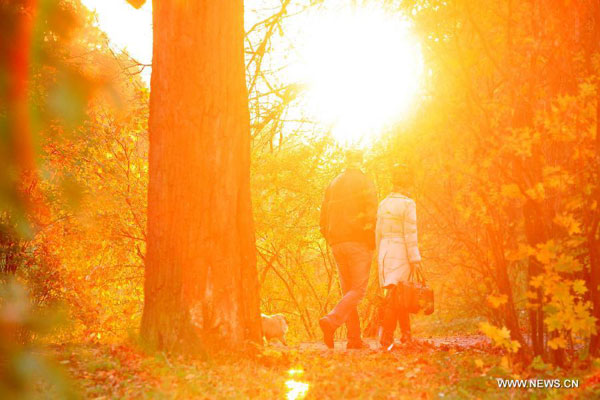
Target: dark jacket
[(349, 211)]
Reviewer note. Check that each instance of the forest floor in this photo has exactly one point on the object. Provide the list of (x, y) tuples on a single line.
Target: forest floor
[(456, 367)]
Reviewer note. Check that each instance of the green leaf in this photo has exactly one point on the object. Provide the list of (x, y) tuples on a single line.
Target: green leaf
[(539, 364)]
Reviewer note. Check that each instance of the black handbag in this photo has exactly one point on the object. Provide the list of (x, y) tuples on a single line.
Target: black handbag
[(417, 297)]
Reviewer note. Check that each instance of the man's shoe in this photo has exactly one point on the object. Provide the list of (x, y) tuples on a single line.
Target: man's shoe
[(387, 346), (356, 345), (328, 331)]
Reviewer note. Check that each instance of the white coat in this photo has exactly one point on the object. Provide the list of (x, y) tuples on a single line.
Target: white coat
[(396, 238)]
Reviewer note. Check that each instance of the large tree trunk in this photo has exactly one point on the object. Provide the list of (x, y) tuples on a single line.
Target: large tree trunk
[(201, 281)]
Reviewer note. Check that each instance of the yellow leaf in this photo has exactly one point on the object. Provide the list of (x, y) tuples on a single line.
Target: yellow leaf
[(536, 281), (514, 346), (522, 252), (568, 263), (579, 286), (504, 333), (568, 222), (497, 301), (537, 192), (531, 295), (136, 3), (545, 253), (511, 191), (557, 342)]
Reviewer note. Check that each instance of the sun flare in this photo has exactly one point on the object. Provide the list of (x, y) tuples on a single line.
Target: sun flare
[(361, 68)]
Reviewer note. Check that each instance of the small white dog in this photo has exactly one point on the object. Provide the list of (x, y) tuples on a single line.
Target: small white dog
[(274, 327)]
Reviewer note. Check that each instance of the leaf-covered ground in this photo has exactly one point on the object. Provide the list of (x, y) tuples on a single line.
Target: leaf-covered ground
[(450, 368)]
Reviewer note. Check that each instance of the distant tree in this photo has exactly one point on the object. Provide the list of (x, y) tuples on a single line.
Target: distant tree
[(201, 282)]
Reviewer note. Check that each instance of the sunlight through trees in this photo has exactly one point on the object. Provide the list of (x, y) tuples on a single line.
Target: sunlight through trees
[(145, 224)]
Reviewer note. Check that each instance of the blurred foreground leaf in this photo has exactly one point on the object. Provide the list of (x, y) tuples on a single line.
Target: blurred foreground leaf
[(24, 367)]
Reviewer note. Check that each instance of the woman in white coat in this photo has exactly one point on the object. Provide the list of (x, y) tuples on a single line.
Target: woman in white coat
[(397, 253)]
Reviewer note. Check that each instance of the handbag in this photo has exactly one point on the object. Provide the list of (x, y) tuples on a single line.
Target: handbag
[(416, 296)]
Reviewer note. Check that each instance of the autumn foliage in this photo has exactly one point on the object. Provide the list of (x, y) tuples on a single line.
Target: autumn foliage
[(503, 142)]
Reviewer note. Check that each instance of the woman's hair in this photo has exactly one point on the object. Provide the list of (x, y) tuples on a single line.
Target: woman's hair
[(401, 176)]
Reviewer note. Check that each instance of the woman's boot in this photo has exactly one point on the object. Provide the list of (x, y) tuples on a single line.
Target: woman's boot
[(390, 318), (404, 322)]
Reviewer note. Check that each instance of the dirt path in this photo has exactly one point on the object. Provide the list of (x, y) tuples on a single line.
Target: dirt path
[(457, 342)]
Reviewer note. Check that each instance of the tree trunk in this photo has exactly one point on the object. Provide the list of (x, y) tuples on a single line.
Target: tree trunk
[(534, 232), (504, 287), (201, 284), (17, 150)]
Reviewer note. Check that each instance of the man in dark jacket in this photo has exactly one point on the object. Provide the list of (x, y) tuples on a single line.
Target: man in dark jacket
[(348, 217)]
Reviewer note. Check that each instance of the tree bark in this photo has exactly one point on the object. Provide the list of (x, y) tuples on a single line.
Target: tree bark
[(201, 284), (534, 232), (504, 287)]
